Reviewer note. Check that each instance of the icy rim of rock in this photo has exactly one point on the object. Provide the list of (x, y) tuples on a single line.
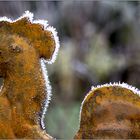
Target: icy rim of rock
[(124, 85), (48, 91)]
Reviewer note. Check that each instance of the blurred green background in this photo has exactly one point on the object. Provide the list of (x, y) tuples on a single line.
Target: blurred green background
[(100, 43)]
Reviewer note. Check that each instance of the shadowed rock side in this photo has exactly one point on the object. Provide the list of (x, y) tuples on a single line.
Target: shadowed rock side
[(110, 112), (22, 44)]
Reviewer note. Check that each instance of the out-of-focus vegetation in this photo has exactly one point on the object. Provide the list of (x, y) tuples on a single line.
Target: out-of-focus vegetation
[(100, 43)]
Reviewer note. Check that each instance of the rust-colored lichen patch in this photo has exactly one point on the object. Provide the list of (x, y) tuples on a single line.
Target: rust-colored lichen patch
[(22, 44), (110, 112), (34, 33)]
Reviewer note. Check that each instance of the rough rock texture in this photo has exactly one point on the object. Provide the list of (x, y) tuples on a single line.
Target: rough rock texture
[(22, 44), (110, 112)]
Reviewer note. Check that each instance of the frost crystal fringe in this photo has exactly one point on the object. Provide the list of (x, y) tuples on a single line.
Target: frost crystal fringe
[(48, 92), (57, 44), (124, 85)]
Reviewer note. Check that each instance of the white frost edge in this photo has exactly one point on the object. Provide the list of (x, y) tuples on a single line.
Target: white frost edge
[(57, 44), (44, 24), (123, 85), (48, 92), (27, 14)]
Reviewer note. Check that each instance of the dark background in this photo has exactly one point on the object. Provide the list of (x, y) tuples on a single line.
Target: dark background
[(100, 43)]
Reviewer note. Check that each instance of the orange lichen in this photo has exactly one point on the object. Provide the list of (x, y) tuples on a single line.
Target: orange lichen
[(34, 34), (22, 44), (110, 112)]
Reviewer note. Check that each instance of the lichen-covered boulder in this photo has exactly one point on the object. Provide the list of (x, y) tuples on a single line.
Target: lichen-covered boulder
[(110, 111), (24, 97)]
